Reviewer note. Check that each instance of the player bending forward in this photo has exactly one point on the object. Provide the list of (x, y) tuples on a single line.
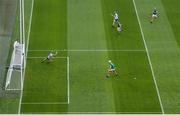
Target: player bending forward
[(154, 15), (116, 18), (50, 57), (111, 69)]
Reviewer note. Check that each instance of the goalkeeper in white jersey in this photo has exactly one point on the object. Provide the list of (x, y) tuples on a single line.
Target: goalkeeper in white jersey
[(50, 57)]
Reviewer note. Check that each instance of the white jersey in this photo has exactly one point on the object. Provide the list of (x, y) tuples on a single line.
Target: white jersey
[(116, 16), (50, 56)]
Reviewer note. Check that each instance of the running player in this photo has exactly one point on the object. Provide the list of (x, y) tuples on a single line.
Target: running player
[(154, 15), (50, 57), (116, 18), (111, 69)]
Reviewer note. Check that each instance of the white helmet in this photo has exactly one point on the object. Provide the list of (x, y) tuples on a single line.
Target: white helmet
[(109, 61)]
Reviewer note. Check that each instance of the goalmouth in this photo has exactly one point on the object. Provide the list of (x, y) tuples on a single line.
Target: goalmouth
[(15, 69)]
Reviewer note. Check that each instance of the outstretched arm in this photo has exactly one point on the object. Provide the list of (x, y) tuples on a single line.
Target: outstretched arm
[(55, 53)]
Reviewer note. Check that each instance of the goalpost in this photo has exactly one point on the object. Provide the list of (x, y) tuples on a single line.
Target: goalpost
[(16, 67), (15, 70)]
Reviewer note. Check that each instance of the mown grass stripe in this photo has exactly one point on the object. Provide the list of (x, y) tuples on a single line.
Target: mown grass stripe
[(41, 33), (149, 59), (86, 38)]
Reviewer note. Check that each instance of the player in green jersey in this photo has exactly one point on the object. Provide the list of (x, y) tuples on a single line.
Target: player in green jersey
[(111, 70)]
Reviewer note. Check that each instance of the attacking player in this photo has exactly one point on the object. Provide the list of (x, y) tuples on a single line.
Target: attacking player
[(116, 18), (50, 57), (111, 69), (154, 15)]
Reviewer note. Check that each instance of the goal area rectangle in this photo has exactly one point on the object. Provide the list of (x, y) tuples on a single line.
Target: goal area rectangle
[(48, 79)]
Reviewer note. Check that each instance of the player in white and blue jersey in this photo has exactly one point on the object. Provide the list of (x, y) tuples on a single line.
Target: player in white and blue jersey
[(115, 19), (154, 15)]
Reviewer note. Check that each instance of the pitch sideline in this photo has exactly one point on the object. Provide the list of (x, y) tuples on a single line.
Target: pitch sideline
[(149, 59)]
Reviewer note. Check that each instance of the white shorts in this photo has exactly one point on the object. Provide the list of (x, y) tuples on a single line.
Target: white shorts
[(118, 29), (154, 16)]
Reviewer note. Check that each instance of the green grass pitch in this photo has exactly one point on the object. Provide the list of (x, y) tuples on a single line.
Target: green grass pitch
[(146, 57)]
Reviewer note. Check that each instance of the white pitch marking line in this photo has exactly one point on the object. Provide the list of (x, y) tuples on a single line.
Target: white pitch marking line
[(45, 57), (68, 93), (20, 5), (30, 22), (84, 50), (114, 112), (94, 112), (149, 59), (44, 103)]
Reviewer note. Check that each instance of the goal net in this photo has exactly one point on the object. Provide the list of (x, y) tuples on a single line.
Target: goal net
[(14, 73)]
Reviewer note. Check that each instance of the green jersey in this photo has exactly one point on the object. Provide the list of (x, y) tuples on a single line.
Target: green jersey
[(111, 66)]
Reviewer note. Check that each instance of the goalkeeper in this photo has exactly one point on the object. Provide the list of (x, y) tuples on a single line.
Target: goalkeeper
[(50, 57)]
